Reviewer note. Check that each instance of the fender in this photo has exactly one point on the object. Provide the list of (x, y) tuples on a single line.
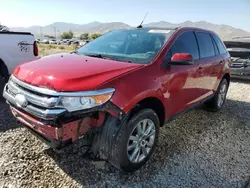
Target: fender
[(131, 103)]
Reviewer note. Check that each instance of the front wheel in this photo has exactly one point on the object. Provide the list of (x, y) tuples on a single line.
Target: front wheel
[(136, 141), (217, 102)]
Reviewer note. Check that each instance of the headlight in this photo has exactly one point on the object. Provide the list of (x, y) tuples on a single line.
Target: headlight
[(87, 100)]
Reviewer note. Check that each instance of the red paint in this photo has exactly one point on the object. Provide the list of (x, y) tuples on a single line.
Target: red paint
[(70, 72), (177, 87), (182, 57), (72, 130), (46, 130)]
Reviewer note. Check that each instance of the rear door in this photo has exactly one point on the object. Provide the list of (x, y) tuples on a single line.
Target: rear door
[(208, 68), (223, 59)]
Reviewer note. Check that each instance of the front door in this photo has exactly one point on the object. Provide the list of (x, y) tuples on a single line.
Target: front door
[(181, 83)]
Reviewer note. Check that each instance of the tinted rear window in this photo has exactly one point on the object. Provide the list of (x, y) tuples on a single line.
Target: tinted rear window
[(215, 46), (205, 45), (220, 45)]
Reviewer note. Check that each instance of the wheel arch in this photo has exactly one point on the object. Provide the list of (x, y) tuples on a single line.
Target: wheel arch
[(227, 77), (153, 103), (3, 65)]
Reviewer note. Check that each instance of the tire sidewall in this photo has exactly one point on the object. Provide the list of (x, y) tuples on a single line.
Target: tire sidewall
[(4, 74), (123, 136), (224, 81)]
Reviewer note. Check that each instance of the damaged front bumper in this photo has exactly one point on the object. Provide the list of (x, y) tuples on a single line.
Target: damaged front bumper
[(56, 127)]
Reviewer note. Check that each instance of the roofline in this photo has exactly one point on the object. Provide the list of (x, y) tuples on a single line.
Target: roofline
[(178, 28), (162, 28)]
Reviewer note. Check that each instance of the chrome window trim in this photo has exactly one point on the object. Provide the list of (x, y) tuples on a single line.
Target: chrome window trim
[(46, 91)]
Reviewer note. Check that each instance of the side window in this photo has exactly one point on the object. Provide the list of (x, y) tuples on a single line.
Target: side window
[(220, 45), (186, 43), (205, 45), (215, 46)]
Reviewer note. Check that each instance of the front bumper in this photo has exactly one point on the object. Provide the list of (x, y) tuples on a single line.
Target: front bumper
[(55, 137), (240, 70), (56, 127)]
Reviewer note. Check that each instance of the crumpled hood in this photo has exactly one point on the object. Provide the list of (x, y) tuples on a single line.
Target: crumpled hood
[(71, 72)]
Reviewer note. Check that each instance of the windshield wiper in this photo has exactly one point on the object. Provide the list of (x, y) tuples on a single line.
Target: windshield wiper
[(100, 56), (95, 55)]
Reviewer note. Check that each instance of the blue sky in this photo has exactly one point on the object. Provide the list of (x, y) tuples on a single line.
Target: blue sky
[(34, 12)]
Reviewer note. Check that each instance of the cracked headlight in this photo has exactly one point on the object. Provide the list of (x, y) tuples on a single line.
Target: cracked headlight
[(85, 100)]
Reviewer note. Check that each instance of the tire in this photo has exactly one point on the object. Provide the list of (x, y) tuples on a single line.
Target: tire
[(4, 74), (123, 159), (217, 102), (4, 77)]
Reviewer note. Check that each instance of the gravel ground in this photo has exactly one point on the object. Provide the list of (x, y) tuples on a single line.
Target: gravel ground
[(199, 149)]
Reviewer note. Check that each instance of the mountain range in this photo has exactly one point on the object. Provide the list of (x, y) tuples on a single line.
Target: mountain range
[(55, 29)]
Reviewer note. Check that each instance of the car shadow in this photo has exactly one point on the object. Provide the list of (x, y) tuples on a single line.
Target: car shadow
[(179, 155), (7, 121)]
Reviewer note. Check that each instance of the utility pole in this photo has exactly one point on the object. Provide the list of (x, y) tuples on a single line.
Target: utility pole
[(41, 32), (54, 32)]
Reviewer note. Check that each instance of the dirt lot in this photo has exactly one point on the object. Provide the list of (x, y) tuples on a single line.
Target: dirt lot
[(200, 149)]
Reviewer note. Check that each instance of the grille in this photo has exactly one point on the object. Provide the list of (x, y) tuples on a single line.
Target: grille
[(39, 104)]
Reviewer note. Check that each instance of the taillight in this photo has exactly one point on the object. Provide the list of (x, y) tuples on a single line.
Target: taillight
[(35, 49)]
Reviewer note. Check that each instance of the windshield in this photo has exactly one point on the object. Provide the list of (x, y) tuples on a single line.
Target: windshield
[(136, 46)]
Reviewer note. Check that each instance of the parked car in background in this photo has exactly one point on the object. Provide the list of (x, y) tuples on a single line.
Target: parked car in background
[(45, 41), (16, 48), (52, 41), (76, 42), (239, 49), (64, 42), (115, 92), (81, 43)]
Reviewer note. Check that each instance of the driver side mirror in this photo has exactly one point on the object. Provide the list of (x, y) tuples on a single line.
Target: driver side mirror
[(182, 59)]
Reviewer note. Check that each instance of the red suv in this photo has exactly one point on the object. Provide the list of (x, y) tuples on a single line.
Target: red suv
[(115, 92)]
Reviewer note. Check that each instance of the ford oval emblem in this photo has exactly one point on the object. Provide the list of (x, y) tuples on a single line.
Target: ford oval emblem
[(21, 100)]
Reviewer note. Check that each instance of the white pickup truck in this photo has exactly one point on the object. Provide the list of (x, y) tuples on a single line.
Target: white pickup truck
[(15, 48)]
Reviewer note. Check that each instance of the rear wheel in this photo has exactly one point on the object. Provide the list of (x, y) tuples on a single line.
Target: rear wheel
[(217, 102), (4, 74)]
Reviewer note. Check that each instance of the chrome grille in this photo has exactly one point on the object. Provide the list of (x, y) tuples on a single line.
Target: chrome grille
[(40, 104)]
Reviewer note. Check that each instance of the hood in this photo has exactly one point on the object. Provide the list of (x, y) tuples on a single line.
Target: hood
[(71, 72)]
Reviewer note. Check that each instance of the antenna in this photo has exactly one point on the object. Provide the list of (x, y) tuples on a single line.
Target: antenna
[(140, 26)]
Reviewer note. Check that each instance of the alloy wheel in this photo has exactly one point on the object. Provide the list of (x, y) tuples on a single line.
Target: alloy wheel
[(222, 95), (141, 141)]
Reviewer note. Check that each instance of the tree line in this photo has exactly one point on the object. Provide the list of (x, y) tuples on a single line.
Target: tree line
[(83, 36)]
